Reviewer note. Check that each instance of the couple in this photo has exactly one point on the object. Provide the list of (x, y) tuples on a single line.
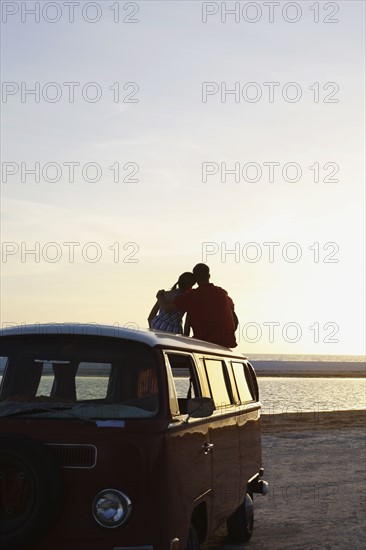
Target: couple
[(210, 311)]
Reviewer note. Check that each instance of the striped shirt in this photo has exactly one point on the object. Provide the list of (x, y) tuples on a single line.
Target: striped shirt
[(169, 321)]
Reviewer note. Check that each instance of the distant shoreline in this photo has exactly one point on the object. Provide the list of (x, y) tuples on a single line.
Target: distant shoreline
[(309, 374), (310, 368)]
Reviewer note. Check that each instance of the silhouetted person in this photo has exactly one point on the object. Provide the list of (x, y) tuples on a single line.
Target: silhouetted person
[(209, 308), (171, 321)]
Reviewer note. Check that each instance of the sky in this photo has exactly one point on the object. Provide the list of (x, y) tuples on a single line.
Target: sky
[(140, 138)]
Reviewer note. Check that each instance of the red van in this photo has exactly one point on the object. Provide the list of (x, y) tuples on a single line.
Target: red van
[(116, 439)]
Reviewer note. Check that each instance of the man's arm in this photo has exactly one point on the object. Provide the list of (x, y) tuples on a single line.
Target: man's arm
[(236, 320)]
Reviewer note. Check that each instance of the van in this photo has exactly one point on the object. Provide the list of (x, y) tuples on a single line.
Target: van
[(120, 439)]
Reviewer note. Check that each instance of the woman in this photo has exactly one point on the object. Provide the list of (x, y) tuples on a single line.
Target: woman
[(172, 322)]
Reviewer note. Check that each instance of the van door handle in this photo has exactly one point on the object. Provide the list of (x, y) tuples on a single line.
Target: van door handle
[(207, 447)]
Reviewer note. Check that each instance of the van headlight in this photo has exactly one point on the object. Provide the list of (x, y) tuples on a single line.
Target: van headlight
[(111, 508)]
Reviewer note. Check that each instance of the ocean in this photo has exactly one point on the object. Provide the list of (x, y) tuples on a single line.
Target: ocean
[(302, 394), (342, 386)]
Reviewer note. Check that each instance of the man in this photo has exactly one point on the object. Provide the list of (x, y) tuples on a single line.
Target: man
[(209, 309)]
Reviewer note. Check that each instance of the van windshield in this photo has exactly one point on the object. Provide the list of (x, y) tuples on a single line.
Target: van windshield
[(84, 377)]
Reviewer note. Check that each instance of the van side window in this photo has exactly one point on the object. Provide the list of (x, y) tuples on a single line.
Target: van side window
[(218, 380), (244, 392), (185, 380)]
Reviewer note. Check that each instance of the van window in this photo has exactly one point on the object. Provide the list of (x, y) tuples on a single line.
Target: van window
[(99, 388), (217, 377), (241, 382), (78, 376), (90, 380), (185, 379)]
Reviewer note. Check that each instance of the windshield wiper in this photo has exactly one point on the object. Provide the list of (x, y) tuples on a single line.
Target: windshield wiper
[(48, 409)]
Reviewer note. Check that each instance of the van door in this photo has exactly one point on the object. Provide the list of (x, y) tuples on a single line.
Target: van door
[(248, 418), (223, 434), (188, 458)]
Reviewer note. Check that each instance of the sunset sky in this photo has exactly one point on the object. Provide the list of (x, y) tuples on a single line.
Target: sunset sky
[(149, 98)]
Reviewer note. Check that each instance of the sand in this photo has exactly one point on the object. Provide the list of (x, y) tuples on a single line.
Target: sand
[(304, 421), (315, 464)]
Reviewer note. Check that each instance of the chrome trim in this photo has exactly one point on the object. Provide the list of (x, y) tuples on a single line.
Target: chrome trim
[(264, 486), (207, 447), (73, 445), (233, 409), (202, 495)]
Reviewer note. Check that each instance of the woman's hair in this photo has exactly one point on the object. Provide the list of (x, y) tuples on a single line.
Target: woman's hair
[(185, 281)]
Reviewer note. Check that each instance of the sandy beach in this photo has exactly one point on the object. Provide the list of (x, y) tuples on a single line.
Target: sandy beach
[(315, 464)]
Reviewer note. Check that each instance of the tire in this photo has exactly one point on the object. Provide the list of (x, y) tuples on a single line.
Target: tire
[(240, 524), (30, 491), (193, 542)]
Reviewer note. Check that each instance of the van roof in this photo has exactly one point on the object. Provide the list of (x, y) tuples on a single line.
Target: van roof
[(150, 337)]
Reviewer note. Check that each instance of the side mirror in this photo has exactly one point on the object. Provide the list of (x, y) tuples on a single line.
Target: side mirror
[(200, 407)]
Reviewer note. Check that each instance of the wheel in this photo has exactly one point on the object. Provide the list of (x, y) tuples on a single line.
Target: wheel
[(193, 540), (30, 491), (240, 524)]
